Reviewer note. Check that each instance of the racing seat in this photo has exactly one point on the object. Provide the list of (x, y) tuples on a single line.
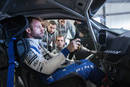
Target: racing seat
[(11, 31), (3, 66), (14, 27)]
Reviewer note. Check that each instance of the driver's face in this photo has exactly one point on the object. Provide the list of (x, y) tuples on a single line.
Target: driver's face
[(37, 30)]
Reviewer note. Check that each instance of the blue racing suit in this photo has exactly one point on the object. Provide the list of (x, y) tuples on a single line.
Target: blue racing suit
[(39, 59)]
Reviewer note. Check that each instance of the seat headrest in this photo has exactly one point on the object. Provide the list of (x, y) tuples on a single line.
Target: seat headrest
[(14, 26)]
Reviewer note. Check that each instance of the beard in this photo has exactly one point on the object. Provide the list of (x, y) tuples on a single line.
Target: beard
[(38, 36)]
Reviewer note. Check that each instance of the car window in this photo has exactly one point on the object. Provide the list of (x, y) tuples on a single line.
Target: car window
[(115, 14), (70, 29)]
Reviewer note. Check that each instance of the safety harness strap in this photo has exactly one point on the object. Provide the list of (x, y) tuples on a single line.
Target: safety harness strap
[(11, 68)]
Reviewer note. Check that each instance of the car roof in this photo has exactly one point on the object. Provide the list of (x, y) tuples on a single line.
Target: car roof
[(72, 9)]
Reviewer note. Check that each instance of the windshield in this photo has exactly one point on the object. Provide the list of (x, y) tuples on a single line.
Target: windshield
[(115, 14)]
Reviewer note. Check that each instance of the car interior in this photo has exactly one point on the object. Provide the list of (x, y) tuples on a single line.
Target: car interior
[(107, 48)]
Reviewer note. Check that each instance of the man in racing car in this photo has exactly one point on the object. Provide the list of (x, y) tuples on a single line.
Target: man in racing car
[(41, 60)]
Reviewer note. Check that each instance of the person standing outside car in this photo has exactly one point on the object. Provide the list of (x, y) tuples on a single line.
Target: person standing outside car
[(67, 29), (60, 44), (41, 60), (50, 35)]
